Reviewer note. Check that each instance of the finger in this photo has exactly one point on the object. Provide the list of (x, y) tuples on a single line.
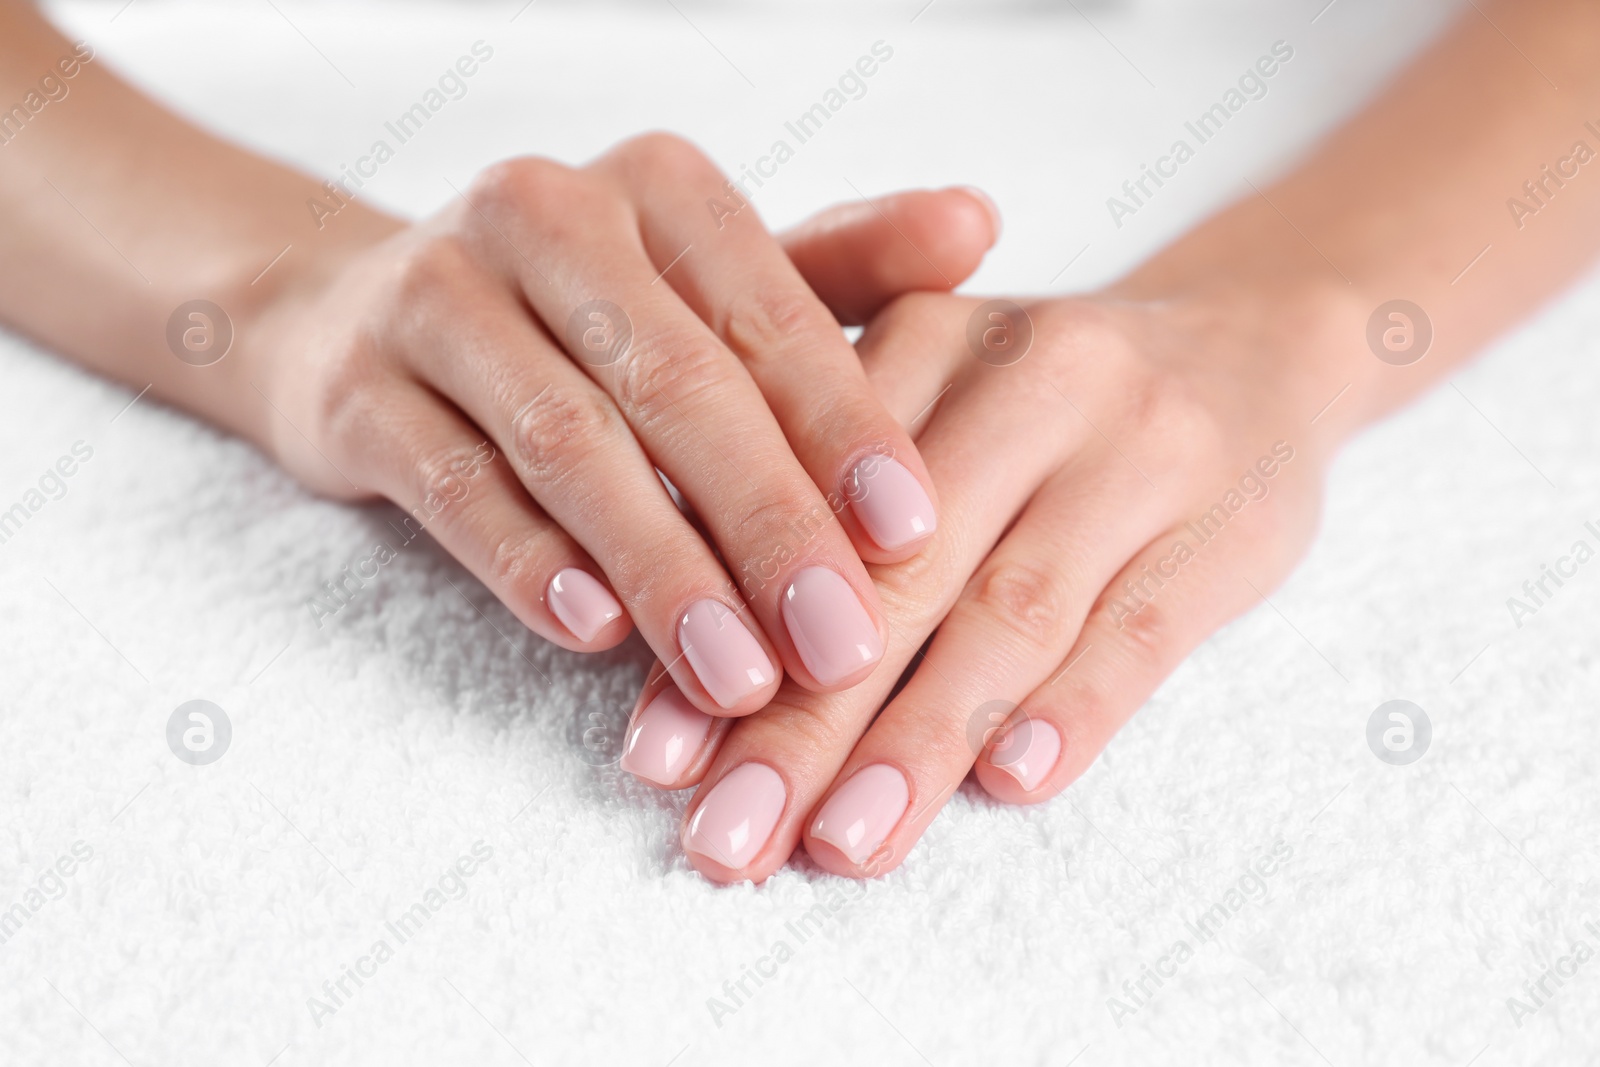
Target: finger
[(744, 823), (701, 419), (669, 742), (1006, 633), (857, 256), (908, 359), (421, 454), (735, 277), (1171, 596), (573, 453)]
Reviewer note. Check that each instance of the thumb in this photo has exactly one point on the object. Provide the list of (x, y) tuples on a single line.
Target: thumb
[(860, 255)]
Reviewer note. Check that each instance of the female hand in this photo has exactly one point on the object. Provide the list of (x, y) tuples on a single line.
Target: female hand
[(1116, 488), (515, 370), (1151, 464)]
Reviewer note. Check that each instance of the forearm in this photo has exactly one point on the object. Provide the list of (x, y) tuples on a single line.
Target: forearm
[(1404, 199), (116, 211)]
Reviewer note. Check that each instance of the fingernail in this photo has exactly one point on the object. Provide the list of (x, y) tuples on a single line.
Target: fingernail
[(665, 738), (725, 655), (583, 605), (988, 205), (889, 502), (738, 815), (1027, 751), (832, 631), (857, 818)]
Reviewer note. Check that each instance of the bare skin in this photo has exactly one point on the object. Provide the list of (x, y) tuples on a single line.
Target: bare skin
[(1229, 368), (1160, 449), (458, 366)]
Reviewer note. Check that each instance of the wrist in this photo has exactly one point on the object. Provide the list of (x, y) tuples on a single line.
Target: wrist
[(1267, 322), (275, 311)]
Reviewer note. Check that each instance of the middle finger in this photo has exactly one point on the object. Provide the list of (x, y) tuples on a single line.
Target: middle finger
[(698, 415)]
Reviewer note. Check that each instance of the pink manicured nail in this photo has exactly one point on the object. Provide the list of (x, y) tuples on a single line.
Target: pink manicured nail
[(1027, 751), (737, 816), (583, 605), (857, 818), (832, 631), (890, 503), (725, 655), (665, 738)]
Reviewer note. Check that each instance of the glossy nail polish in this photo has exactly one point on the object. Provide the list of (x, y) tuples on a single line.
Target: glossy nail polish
[(860, 814), (831, 630), (723, 653), (734, 821), (889, 502), (1027, 750), (665, 737), (583, 605)]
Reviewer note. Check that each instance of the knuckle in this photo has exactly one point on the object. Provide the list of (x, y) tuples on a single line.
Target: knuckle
[(433, 276), (1030, 599), (512, 186), (767, 321), (669, 153), (658, 376), (1168, 407), (777, 514), (1144, 632), (515, 562), (443, 472), (349, 404), (553, 431)]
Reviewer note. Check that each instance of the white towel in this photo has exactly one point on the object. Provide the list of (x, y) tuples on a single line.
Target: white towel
[(193, 914)]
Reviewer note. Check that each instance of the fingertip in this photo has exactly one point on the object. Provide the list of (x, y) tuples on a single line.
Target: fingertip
[(727, 666), (989, 206), (588, 610), (1021, 764), (731, 832), (853, 832), (892, 514), (836, 627), (669, 742), (831, 858), (949, 230), (609, 636)]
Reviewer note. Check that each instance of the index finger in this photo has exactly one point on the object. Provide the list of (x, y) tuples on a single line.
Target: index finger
[(737, 278)]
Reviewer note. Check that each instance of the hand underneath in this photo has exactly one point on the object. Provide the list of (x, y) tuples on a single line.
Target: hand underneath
[(1145, 470)]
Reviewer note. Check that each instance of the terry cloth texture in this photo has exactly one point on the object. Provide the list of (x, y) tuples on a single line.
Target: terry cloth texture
[(404, 791)]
